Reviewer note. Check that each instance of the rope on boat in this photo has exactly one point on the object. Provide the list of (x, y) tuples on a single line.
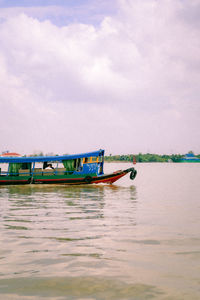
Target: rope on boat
[(31, 180)]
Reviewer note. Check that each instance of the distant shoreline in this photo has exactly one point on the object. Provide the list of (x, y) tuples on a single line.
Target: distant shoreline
[(149, 157)]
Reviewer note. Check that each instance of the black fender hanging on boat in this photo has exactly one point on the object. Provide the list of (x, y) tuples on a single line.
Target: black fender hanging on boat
[(133, 174), (88, 179)]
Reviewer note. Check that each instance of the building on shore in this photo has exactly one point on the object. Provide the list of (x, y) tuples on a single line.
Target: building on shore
[(190, 158)]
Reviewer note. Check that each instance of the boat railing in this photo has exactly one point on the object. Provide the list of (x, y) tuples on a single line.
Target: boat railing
[(60, 171), (42, 172), (48, 172), (24, 172), (6, 173)]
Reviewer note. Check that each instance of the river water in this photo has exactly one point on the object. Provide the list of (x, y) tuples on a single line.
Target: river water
[(131, 240)]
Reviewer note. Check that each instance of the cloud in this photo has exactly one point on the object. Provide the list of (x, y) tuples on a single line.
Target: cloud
[(129, 84), (60, 13)]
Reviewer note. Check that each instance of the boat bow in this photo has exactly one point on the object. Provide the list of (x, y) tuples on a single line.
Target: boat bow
[(111, 178)]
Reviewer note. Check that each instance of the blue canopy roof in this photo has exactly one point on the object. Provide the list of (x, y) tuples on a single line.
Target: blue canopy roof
[(49, 158)]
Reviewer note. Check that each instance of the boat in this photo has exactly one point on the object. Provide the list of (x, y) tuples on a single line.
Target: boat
[(190, 158), (84, 168)]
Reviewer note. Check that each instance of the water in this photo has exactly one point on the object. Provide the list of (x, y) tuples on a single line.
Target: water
[(133, 240)]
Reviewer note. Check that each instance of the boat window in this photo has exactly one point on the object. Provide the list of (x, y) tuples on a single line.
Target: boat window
[(93, 159), (14, 168), (4, 168), (77, 163), (85, 160), (69, 165), (48, 165), (26, 166)]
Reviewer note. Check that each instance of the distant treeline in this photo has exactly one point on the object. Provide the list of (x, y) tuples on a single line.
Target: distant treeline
[(146, 157)]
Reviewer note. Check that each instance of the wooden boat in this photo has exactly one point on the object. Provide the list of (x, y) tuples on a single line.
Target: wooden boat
[(85, 168)]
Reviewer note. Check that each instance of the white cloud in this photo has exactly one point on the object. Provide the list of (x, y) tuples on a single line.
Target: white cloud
[(61, 13), (128, 85)]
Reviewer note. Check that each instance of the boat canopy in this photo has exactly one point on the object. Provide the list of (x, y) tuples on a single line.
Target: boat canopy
[(50, 158)]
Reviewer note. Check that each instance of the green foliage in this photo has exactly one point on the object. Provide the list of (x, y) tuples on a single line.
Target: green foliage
[(176, 157), (148, 157)]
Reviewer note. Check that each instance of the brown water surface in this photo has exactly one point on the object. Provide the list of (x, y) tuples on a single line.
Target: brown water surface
[(132, 240)]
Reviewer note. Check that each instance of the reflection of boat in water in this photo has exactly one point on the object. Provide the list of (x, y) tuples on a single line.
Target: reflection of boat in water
[(84, 168), (191, 158)]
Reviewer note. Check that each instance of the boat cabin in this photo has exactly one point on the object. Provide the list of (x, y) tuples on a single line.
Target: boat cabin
[(90, 163)]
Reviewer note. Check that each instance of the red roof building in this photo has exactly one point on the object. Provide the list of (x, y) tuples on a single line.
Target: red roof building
[(10, 154)]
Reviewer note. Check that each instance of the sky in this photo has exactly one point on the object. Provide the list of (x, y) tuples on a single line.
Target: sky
[(119, 75)]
